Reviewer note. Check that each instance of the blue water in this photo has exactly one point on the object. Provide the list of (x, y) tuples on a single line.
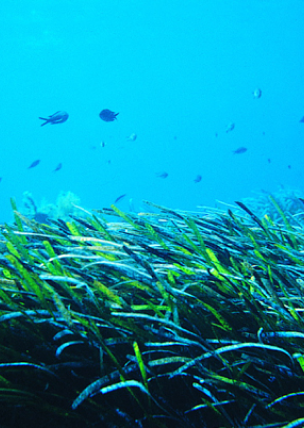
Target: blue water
[(178, 73)]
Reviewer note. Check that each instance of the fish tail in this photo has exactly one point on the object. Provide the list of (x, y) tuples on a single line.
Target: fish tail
[(43, 118)]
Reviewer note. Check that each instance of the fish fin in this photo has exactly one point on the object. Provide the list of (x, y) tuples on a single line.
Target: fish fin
[(46, 121)]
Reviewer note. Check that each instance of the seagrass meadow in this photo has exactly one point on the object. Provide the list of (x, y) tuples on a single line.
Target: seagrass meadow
[(158, 319)]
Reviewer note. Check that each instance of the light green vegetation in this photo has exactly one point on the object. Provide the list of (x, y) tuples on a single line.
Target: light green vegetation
[(167, 319)]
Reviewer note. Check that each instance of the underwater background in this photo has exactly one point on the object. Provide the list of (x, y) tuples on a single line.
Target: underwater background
[(180, 74)]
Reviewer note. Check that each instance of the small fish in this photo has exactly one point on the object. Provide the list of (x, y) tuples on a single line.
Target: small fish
[(269, 160), (33, 164), (41, 217), (58, 167), (108, 115), (302, 120), (0, 179), (240, 150), (54, 119), (132, 137), (162, 174), (230, 127), (289, 166), (103, 144), (131, 205), (197, 178), (257, 93), (119, 198)]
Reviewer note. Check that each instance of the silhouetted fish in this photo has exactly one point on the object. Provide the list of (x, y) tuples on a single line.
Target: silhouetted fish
[(108, 115), (132, 137), (33, 164), (119, 198), (54, 119), (58, 167), (230, 127), (240, 150), (197, 178), (162, 174), (257, 93), (302, 120), (41, 217)]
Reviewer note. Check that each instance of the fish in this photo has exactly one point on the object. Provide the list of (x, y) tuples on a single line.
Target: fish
[(58, 167), (132, 137), (33, 164), (119, 198), (107, 115), (240, 150), (103, 144), (230, 127), (131, 205), (302, 120), (41, 217), (257, 93), (54, 119), (162, 174), (197, 178)]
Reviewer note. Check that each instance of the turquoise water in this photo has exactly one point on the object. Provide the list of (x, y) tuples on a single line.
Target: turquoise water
[(179, 73)]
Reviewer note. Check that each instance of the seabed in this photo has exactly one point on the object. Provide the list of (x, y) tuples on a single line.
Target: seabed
[(156, 319)]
